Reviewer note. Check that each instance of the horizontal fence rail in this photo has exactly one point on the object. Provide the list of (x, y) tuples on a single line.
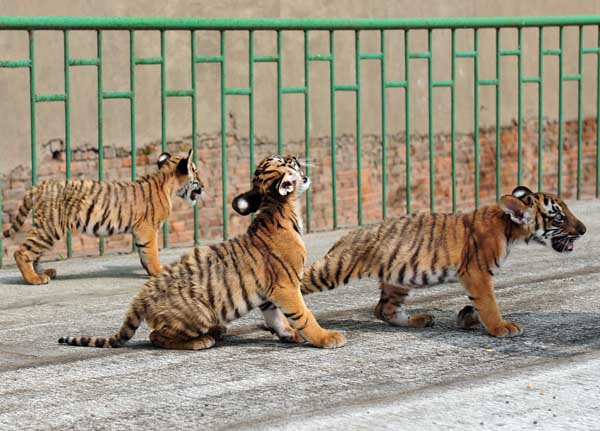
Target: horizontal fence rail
[(310, 56)]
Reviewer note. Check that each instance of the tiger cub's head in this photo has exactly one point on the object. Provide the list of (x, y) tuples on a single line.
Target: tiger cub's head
[(280, 177), (187, 181), (546, 216)]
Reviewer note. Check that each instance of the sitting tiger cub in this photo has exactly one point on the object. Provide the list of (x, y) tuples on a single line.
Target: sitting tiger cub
[(103, 209), (189, 303), (421, 250)]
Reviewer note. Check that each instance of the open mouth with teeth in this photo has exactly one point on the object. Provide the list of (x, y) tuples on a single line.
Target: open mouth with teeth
[(562, 244), (195, 194), (190, 192)]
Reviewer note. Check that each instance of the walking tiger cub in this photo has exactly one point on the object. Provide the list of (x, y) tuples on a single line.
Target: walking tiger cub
[(103, 209), (189, 303), (421, 250)]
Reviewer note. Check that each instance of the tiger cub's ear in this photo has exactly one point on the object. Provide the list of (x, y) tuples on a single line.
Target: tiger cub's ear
[(162, 159), (190, 160), (519, 212), (247, 203), (521, 191)]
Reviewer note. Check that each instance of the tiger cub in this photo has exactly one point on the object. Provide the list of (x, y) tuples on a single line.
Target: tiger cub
[(421, 250), (103, 209), (189, 302)]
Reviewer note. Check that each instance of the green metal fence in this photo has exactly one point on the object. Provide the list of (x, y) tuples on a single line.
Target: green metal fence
[(33, 25)]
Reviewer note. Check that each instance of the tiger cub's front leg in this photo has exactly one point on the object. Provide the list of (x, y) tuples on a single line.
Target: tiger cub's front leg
[(289, 299), (481, 291), (390, 308), (278, 324), (146, 241)]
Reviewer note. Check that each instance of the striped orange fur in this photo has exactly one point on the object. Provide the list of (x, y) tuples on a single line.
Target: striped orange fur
[(188, 304), (421, 250), (103, 209)]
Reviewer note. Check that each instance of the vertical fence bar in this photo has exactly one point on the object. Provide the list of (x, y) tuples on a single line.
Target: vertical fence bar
[(560, 109), (32, 113), (453, 118), (163, 116), (67, 106), (1, 225), (476, 111), (407, 116), (132, 115), (383, 127), (194, 125), (540, 108), (223, 137), (251, 101), (358, 128), (307, 124), (520, 107), (332, 121), (579, 111), (498, 125), (279, 94), (598, 116), (430, 122), (100, 90)]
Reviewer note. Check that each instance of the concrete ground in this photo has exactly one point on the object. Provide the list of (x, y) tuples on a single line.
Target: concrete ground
[(384, 378)]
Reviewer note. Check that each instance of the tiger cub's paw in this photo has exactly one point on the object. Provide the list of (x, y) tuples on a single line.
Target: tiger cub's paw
[(292, 337), (331, 340), (50, 273), (467, 318), (506, 329), (38, 279)]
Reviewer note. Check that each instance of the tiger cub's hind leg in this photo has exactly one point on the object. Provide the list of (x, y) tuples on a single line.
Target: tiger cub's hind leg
[(50, 272), (28, 255), (390, 308), (146, 241), (166, 339), (277, 323)]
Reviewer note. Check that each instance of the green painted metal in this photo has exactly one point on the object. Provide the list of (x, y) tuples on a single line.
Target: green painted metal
[(251, 60), (430, 121), (194, 103), (67, 124), (453, 117), (407, 116), (224, 220), (579, 111), (1, 225), (132, 116), (279, 26), (357, 58), (163, 115), (100, 100), (560, 107), (32, 110), (520, 107), (498, 125), (279, 94), (541, 108), (476, 113), (383, 127), (598, 116), (307, 168), (332, 122), (221, 24)]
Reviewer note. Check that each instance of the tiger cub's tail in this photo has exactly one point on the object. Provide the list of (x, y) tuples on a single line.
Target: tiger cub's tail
[(346, 260), (24, 209), (132, 322)]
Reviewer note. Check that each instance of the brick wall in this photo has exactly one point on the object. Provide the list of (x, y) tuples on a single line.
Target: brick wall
[(117, 165)]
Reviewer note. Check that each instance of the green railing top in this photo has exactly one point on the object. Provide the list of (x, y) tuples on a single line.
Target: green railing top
[(155, 23)]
